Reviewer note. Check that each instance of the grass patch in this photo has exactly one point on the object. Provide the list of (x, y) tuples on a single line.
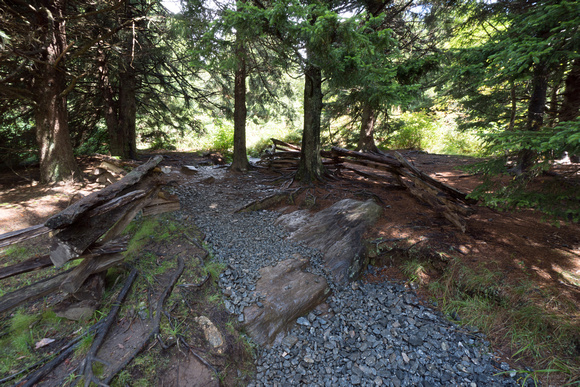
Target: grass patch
[(540, 335)]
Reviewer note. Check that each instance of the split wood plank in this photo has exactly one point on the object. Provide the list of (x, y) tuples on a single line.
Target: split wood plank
[(72, 213), (89, 266), (13, 237), (73, 241)]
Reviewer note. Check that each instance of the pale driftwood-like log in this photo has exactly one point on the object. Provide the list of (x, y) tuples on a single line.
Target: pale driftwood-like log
[(91, 265), (161, 206), (13, 237), (31, 292), (285, 145), (74, 212), (372, 164), (382, 159), (73, 241), (455, 193)]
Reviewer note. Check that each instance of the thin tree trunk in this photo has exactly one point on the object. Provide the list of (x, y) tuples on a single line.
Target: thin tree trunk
[(127, 111), (570, 108), (366, 142), (110, 107), (57, 160), (240, 161), (310, 167), (514, 106), (536, 110)]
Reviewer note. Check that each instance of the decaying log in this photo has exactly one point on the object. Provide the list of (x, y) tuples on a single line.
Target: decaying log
[(41, 262), (270, 201), (32, 292), (162, 204), (285, 145), (25, 266), (381, 159), (73, 241), (89, 266), (13, 237), (72, 213), (455, 193)]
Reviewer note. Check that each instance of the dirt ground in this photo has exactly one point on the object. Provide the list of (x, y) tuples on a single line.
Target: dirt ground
[(517, 244)]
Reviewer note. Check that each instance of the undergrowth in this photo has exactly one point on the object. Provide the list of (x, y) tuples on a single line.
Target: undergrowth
[(539, 333)]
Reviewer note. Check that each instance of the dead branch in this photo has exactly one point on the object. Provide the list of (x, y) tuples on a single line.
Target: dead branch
[(87, 367)]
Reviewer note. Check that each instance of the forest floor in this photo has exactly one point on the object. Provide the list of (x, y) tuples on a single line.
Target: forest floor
[(513, 274)]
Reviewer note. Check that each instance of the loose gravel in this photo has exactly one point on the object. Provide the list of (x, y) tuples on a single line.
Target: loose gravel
[(377, 335)]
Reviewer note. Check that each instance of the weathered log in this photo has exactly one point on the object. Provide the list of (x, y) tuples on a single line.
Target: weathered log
[(72, 213), (382, 159), (282, 144), (41, 262), (25, 267), (132, 211), (372, 164), (89, 266), (32, 292), (161, 206), (270, 201), (455, 193), (13, 237), (117, 202), (73, 241)]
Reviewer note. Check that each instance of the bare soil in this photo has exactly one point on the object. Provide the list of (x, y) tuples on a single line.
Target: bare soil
[(519, 245)]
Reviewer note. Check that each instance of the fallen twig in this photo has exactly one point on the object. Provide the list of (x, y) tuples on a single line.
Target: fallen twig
[(87, 368)]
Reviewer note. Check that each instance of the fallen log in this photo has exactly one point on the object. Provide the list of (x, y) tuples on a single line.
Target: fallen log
[(455, 193), (72, 213), (32, 292), (90, 265), (43, 261), (270, 201), (384, 159), (73, 241), (161, 206), (285, 145), (13, 237)]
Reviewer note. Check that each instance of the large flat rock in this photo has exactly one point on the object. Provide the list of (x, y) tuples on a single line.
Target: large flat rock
[(336, 231), (288, 292)]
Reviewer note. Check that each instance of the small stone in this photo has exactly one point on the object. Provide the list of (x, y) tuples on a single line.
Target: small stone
[(303, 321), (405, 357)]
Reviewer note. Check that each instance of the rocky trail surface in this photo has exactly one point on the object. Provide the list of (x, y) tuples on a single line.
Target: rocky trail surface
[(367, 334)]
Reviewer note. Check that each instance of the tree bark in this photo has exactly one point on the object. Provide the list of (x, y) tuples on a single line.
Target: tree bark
[(57, 160), (110, 106), (366, 142), (536, 110), (310, 167), (570, 108), (126, 134), (240, 161)]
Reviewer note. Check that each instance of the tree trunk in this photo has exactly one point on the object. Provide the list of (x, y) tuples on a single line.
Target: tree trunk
[(57, 160), (366, 142), (126, 133), (536, 109), (109, 104), (240, 161), (514, 106), (310, 167), (571, 104)]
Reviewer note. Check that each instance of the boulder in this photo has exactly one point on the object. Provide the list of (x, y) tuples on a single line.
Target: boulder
[(336, 231), (287, 292)]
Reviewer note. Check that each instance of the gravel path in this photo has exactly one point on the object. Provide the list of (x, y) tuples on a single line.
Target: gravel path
[(379, 334)]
